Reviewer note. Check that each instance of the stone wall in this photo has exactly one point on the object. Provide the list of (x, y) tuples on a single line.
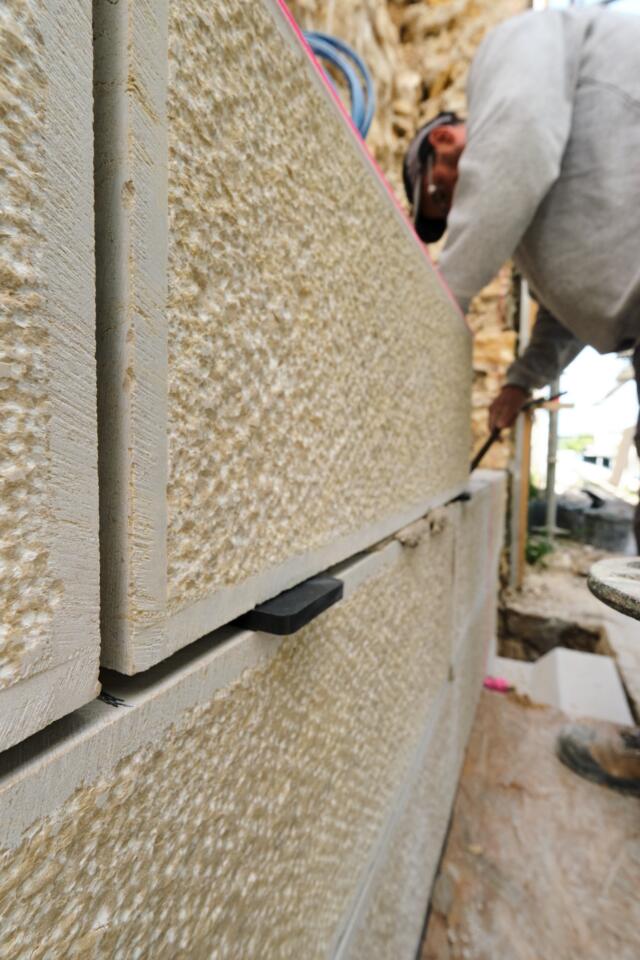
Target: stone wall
[(270, 405), (257, 797), (284, 407), (419, 54)]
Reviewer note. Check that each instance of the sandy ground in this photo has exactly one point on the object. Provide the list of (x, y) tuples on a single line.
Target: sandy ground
[(539, 864)]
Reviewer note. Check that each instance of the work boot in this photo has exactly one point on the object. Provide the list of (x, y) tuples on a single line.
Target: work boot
[(610, 756)]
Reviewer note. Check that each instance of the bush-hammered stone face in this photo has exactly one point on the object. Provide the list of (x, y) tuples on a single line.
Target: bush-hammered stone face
[(317, 377), (396, 901), (314, 391), (244, 827), (296, 812)]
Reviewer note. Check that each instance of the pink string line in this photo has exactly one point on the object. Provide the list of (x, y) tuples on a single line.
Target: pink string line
[(497, 684), (365, 152)]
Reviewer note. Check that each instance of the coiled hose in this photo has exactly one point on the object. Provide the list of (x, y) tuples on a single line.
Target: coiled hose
[(361, 90)]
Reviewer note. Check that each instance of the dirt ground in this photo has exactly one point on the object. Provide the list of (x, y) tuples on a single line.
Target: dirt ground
[(539, 864)]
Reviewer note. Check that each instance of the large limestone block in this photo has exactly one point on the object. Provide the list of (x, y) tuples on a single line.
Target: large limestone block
[(389, 916), (389, 919), (283, 379), (234, 806), (48, 452)]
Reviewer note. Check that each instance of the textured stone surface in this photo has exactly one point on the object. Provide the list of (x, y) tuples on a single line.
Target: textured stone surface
[(26, 608), (48, 482), (391, 925), (239, 827), (301, 344), (419, 56), (493, 321), (418, 53), (318, 378), (269, 817)]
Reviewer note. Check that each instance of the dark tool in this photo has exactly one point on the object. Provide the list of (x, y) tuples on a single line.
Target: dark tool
[(493, 436), (489, 442), (294, 608), (112, 700)]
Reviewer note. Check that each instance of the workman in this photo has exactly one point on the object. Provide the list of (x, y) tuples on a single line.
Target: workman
[(546, 170)]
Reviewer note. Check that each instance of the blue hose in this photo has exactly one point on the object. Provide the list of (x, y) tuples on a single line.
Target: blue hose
[(361, 91)]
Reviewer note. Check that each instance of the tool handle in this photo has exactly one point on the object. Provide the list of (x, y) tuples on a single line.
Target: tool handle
[(495, 433), (489, 442)]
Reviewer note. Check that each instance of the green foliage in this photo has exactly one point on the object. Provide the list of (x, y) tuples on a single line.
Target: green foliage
[(537, 549), (579, 444)]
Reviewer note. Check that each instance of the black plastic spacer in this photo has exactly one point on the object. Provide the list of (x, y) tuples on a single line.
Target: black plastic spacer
[(293, 609), (462, 497)]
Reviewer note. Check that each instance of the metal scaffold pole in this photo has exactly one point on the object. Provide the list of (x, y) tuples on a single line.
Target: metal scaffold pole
[(520, 468), (552, 457)]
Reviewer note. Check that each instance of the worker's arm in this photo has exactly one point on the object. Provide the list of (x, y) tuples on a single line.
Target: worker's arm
[(551, 348), (520, 94)]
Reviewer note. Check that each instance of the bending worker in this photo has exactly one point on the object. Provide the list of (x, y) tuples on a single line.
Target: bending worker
[(546, 170)]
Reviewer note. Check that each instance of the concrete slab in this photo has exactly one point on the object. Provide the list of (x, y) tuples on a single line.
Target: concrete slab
[(616, 582)]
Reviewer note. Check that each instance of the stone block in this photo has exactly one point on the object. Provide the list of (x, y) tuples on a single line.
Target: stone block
[(48, 442), (389, 915), (256, 796), (283, 379), (232, 807), (389, 918)]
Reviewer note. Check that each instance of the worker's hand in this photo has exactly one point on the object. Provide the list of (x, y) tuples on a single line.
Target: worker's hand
[(506, 407)]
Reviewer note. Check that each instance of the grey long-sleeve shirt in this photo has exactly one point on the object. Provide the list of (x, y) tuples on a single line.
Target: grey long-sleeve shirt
[(551, 176)]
